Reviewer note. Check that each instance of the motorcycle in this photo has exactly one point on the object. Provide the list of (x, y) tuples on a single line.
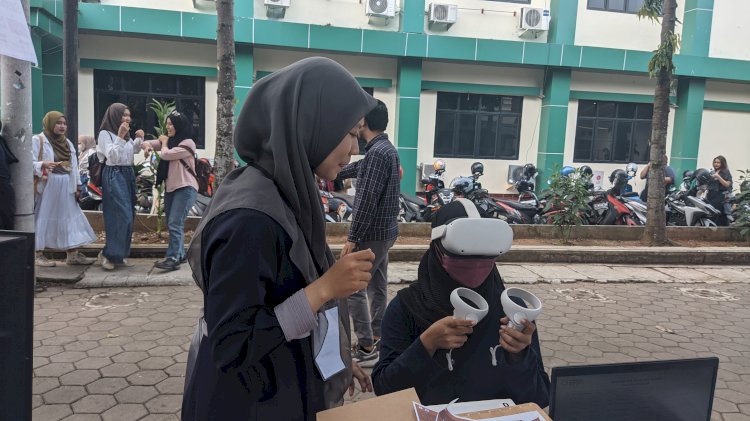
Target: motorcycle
[(470, 188), (618, 213), (411, 208), (436, 194), (334, 209), (200, 205), (93, 198), (528, 208)]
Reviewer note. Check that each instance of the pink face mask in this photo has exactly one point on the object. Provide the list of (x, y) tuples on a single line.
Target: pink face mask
[(469, 272)]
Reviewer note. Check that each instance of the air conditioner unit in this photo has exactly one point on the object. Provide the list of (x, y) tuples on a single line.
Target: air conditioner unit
[(515, 172), (442, 16), (276, 9), (534, 19), (381, 11)]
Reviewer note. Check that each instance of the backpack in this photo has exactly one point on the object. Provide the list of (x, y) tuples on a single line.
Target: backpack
[(95, 169), (204, 173)]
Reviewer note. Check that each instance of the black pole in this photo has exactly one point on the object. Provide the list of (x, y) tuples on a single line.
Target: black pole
[(70, 68)]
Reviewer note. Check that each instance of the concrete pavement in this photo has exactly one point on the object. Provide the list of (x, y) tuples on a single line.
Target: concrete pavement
[(118, 351)]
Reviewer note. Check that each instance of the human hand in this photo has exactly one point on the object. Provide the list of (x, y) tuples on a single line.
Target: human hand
[(365, 383), (348, 248), (123, 130), (140, 134), (515, 341), (716, 176), (347, 276), (446, 333), (49, 165)]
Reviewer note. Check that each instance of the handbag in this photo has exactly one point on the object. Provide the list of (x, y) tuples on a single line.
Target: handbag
[(44, 170)]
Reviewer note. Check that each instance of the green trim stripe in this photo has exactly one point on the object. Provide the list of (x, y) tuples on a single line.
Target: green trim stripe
[(475, 88), (616, 97), (132, 66), (726, 106)]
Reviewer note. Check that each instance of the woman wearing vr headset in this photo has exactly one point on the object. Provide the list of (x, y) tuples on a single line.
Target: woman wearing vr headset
[(419, 330)]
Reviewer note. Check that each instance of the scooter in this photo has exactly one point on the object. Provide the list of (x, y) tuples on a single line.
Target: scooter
[(93, 198)]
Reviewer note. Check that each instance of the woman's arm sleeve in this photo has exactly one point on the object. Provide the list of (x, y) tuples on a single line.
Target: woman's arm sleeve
[(404, 361)]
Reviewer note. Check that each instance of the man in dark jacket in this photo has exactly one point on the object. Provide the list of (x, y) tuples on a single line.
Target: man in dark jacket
[(374, 226), (7, 195)]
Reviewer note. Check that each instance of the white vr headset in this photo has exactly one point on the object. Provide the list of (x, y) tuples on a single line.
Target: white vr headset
[(474, 236)]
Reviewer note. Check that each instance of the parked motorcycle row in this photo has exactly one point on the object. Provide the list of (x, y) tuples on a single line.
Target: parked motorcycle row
[(618, 205)]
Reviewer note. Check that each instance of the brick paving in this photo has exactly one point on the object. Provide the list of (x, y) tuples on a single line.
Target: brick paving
[(119, 353)]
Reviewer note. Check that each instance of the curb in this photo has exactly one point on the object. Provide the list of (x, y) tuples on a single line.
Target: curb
[(540, 254)]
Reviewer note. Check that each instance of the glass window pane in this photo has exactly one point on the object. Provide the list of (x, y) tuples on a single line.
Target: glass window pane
[(623, 139), (135, 82), (596, 4), (645, 111), (616, 5), (641, 138), (107, 81), (163, 84), (603, 134), (491, 103), (467, 124), (468, 102), (586, 108), (447, 101), (626, 110), (487, 135), (138, 114), (444, 125), (191, 85), (634, 6), (606, 109), (584, 138), (192, 110), (510, 127)]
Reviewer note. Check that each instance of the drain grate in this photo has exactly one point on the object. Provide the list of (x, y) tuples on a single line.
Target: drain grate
[(580, 294), (115, 299), (709, 294)]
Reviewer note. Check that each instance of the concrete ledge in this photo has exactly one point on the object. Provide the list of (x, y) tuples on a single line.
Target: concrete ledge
[(146, 223), (540, 254)]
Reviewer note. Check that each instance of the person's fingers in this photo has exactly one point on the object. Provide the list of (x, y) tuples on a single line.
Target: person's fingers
[(504, 321), (351, 388), (366, 255)]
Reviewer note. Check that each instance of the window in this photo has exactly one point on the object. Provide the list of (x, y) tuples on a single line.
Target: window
[(477, 126), (623, 6), (137, 90), (514, 1), (612, 132)]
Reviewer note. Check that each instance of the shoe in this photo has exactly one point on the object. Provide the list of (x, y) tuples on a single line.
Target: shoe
[(364, 358), (184, 259), (43, 261), (77, 258), (104, 262), (125, 263), (167, 264)]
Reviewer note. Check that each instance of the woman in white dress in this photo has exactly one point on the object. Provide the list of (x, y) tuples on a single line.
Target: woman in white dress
[(60, 223)]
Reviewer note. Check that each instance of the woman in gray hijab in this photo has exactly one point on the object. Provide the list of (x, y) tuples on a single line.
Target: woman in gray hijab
[(274, 339)]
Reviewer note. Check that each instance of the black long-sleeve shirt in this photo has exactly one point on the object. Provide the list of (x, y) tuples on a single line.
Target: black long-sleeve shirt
[(375, 214), (404, 363)]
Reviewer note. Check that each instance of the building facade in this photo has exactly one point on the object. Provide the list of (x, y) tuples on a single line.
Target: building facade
[(479, 89)]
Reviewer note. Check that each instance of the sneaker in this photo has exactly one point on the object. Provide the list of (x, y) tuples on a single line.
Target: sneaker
[(184, 259), (43, 261), (125, 263), (364, 358), (77, 258), (167, 264), (104, 262)]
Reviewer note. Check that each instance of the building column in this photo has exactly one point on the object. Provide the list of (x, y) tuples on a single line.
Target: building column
[(243, 60), (407, 120), (687, 125), (554, 116), (37, 85), (696, 39), (553, 124)]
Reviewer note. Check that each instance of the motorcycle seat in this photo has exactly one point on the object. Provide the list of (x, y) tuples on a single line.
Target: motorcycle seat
[(518, 205), (413, 199)]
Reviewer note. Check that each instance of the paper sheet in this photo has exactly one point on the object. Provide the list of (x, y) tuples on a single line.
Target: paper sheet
[(15, 38), (329, 360)]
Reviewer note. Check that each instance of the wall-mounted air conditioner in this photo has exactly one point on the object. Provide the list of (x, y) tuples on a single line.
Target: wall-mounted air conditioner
[(442, 16), (276, 9), (380, 11), (534, 19)]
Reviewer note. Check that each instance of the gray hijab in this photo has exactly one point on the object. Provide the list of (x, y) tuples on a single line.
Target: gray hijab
[(291, 121)]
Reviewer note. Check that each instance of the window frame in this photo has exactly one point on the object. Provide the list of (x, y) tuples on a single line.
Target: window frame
[(512, 1), (615, 120), (607, 9), (457, 112), (123, 94)]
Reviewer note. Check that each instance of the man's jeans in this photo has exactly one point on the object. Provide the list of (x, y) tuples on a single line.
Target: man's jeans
[(118, 210), (367, 319), (176, 207)]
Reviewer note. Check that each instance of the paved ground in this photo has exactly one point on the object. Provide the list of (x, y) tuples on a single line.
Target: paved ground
[(118, 352)]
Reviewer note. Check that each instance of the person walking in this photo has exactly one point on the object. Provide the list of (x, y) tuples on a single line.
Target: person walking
[(669, 178), (59, 222), (177, 169), (8, 195), (719, 187), (116, 149), (374, 226)]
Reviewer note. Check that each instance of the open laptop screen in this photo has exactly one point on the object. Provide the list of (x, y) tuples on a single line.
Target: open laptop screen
[(673, 390)]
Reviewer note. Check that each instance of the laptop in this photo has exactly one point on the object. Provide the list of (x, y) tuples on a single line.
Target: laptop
[(671, 390)]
